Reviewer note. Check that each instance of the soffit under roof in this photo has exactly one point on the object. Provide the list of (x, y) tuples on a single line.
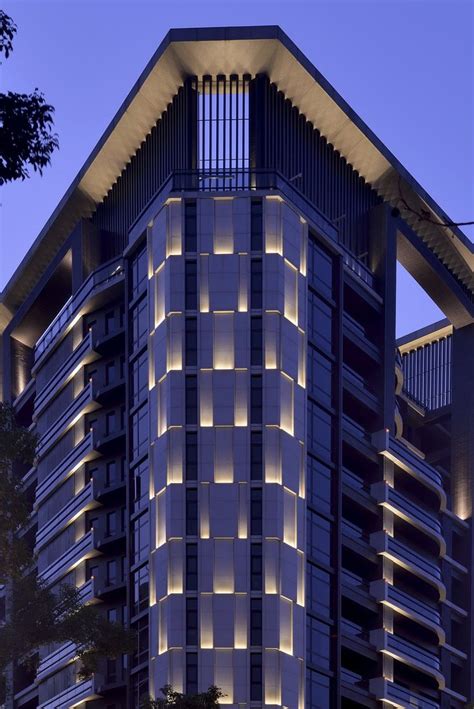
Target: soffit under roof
[(250, 50)]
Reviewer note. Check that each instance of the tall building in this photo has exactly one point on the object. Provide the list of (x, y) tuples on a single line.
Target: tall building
[(236, 458)]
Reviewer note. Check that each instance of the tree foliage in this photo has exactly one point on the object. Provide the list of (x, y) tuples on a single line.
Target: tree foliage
[(204, 700), (26, 123), (37, 615)]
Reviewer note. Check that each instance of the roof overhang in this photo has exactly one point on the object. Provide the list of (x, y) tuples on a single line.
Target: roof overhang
[(251, 50)]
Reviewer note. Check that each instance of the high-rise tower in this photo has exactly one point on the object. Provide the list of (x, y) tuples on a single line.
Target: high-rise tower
[(234, 458)]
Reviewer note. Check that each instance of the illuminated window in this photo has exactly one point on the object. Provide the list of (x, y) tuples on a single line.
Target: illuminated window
[(191, 511), (256, 399), (256, 455), (256, 621), (256, 509), (191, 397), (192, 621), (256, 225), (191, 567), (191, 455), (255, 677), (256, 341), (256, 567), (190, 226), (256, 284), (190, 342), (190, 285)]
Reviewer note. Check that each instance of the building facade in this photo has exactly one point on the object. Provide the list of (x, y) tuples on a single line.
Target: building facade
[(236, 458)]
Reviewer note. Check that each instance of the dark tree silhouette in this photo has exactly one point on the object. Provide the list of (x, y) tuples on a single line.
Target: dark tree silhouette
[(37, 616), (170, 699), (26, 123)]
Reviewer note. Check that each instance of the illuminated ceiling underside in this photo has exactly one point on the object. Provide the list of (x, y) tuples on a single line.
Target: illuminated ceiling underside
[(241, 50)]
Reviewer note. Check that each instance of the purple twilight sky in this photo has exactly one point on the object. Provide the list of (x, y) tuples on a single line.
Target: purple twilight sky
[(406, 67)]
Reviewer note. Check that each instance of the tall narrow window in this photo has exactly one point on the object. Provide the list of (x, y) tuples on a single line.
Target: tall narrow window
[(191, 673), (256, 399), (256, 511), (191, 511), (256, 455), (191, 400), (191, 462), (256, 341), (256, 225), (190, 285), (256, 621), (256, 284), (191, 567), (190, 342), (190, 226), (223, 132), (256, 567), (255, 677), (191, 621)]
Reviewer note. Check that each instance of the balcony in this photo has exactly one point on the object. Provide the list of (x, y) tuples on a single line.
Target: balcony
[(356, 333), (409, 606), (396, 451), (82, 404), (83, 549), (423, 520), (55, 660), (82, 691), (409, 653), (80, 454), (101, 280), (407, 558), (398, 696), (359, 388), (83, 354), (80, 503)]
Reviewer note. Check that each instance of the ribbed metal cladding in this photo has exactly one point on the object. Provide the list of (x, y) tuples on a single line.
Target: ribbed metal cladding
[(169, 146), (427, 373), (282, 139)]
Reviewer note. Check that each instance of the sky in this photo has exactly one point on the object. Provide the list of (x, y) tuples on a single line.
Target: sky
[(405, 66)]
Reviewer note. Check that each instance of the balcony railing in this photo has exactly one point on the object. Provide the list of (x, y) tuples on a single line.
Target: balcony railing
[(404, 458), (408, 604), (104, 276), (78, 504), (76, 694), (354, 428), (65, 372), (400, 696), (354, 481), (83, 549), (55, 660), (83, 403), (79, 454)]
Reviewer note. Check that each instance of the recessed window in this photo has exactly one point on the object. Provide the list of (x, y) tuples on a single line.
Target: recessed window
[(191, 673), (256, 341), (319, 484), (318, 642), (139, 431), (140, 539), (139, 378), (191, 511), (256, 567), (190, 342), (256, 284), (191, 400), (318, 590), (256, 225), (256, 509), (255, 621), (320, 269), (320, 323), (256, 399), (190, 285), (191, 462), (139, 272), (318, 537), (139, 318), (191, 621), (140, 590), (256, 455), (255, 677), (191, 567), (190, 226)]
